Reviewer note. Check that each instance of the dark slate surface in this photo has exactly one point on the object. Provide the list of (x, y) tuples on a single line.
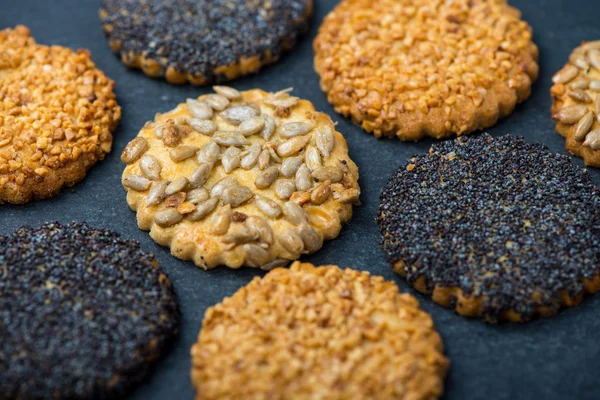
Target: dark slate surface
[(547, 359)]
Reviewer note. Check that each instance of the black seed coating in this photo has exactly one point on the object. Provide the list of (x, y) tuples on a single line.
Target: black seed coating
[(494, 217), (82, 313), (197, 36)]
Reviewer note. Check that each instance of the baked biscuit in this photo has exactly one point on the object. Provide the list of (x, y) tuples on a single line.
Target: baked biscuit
[(497, 228), (57, 113), (83, 313), (418, 68), (234, 179), (318, 332), (576, 104), (203, 41)]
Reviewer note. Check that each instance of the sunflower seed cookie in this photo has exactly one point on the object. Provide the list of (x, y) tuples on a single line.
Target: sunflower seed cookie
[(234, 179), (494, 227), (576, 103), (203, 41), (318, 332), (83, 313), (421, 68), (57, 114)]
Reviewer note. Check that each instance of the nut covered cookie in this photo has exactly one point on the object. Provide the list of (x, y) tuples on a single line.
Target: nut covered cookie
[(234, 179), (494, 227), (576, 103), (57, 114), (203, 41), (417, 68), (318, 332)]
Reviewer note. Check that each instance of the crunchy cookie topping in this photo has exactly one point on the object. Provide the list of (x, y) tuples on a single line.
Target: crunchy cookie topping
[(56, 109), (416, 68), (323, 332), (508, 223)]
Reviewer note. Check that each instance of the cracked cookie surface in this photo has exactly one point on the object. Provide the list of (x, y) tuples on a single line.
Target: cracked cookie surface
[(231, 178)]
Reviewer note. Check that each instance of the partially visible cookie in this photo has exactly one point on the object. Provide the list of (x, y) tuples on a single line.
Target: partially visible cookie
[(576, 103), (318, 332), (421, 68), (494, 227), (57, 113), (203, 41), (234, 179), (83, 313)]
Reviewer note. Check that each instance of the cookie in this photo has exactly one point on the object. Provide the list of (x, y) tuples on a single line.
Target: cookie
[(576, 103), (234, 179), (57, 113), (318, 332), (425, 67), (494, 227), (83, 313), (203, 41)]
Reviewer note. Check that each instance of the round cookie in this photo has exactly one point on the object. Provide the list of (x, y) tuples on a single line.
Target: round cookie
[(494, 227), (203, 41), (83, 313), (234, 179), (422, 68), (576, 103), (57, 113), (318, 332)]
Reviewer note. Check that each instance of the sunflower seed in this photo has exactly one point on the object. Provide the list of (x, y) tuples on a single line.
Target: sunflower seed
[(181, 120), (266, 178), (269, 207), (167, 217), (290, 165), (325, 140), (332, 174), (237, 114), (303, 178), (570, 115), (157, 193), (136, 182), (216, 101), (583, 126), (565, 75), (310, 237), (240, 233), (134, 150), (199, 109), (176, 186), (221, 220), (200, 175), (158, 131), (255, 255), (312, 158), (150, 167), (284, 188), (230, 139), (251, 157), (217, 189), (321, 193), (277, 263), (349, 196), (209, 153), (231, 159), (236, 195), (264, 159), (205, 127), (292, 129), (579, 84), (291, 241), (580, 95), (592, 140), (294, 213), (172, 135), (196, 196), (229, 92), (274, 155), (594, 56), (578, 58), (292, 146), (269, 127), (203, 209), (281, 99), (258, 224), (182, 153), (251, 126), (595, 85)]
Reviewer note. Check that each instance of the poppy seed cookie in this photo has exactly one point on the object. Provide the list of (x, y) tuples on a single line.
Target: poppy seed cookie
[(318, 332), (203, 41), (494, 227), (83, 313), (418, 68)]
